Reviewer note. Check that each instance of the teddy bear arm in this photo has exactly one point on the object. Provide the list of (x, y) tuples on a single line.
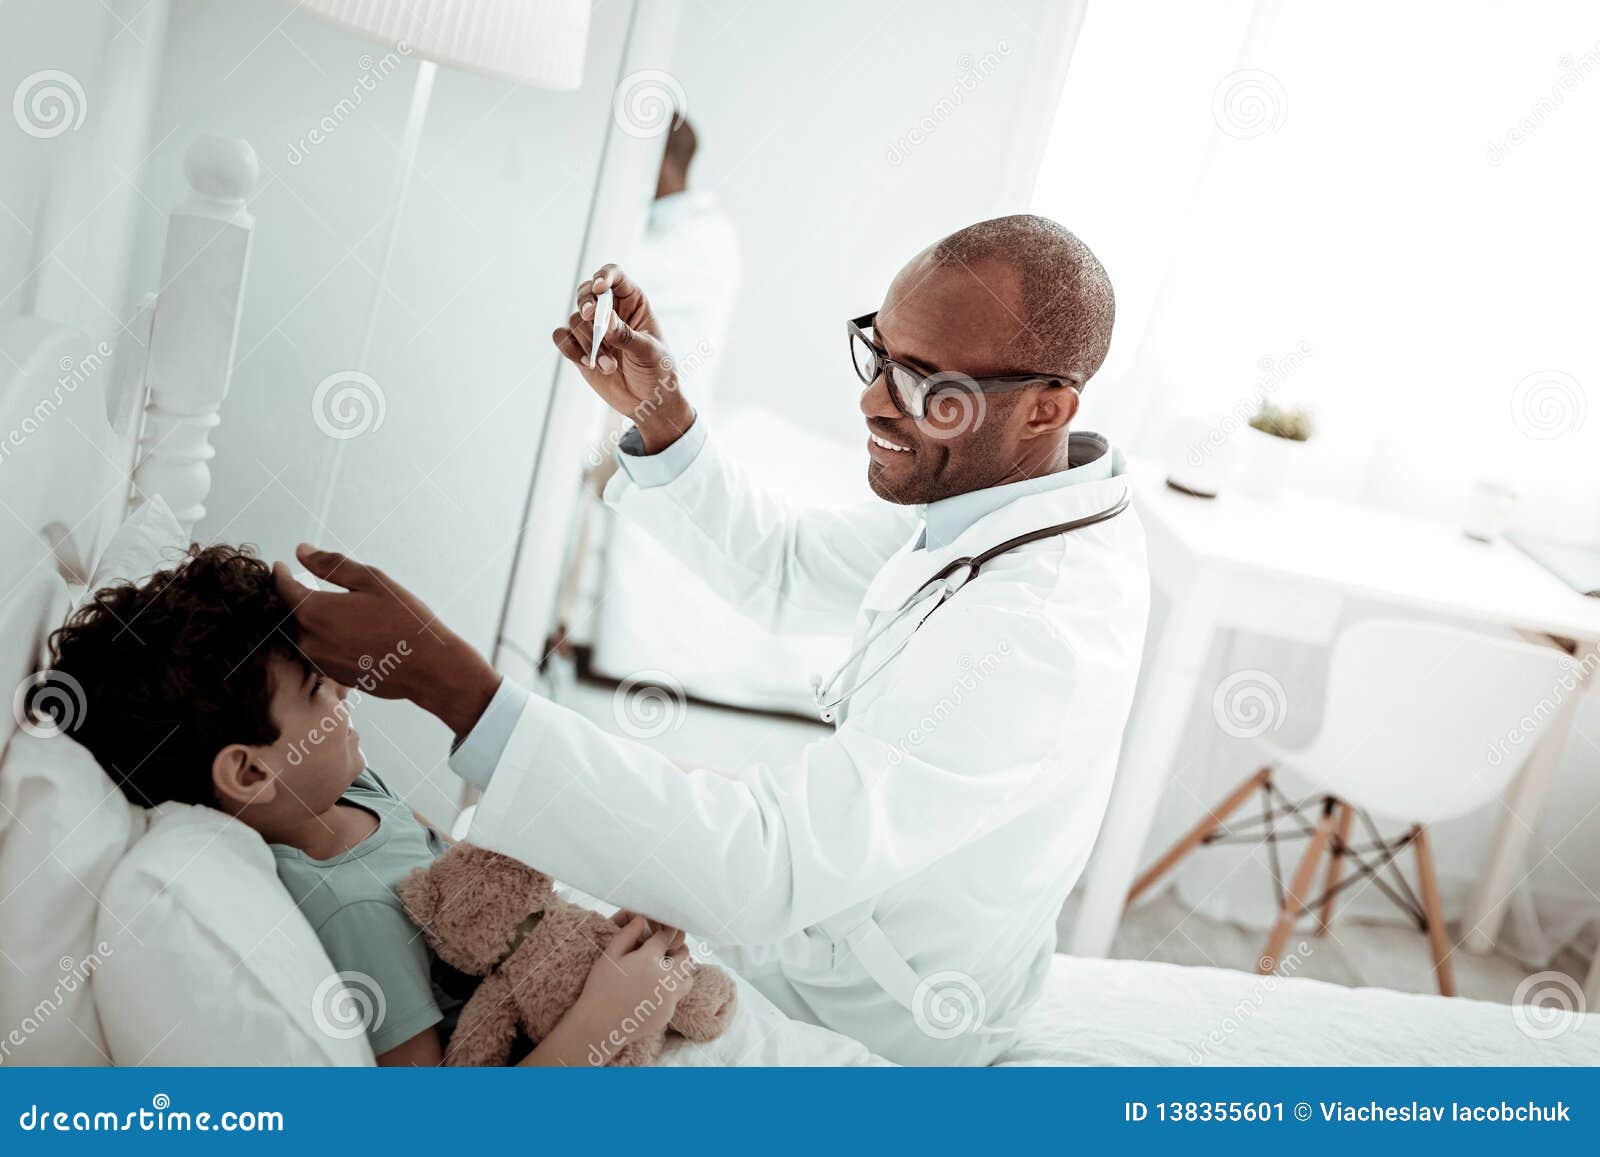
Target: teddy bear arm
[(705, 1010), (487, 1026)]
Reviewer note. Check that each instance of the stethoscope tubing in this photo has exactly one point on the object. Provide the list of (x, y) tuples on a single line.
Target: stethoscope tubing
[(972, 564)]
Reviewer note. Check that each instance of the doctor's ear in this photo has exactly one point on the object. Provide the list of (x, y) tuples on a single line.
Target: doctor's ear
[(1053, 409), (241, 779)]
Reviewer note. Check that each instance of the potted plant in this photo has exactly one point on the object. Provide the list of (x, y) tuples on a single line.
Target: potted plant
[(1276, 433)]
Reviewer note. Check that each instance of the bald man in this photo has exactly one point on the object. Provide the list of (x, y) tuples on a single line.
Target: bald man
[(899, 880)]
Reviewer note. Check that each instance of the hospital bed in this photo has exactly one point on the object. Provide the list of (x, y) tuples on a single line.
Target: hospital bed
[(163, 936)]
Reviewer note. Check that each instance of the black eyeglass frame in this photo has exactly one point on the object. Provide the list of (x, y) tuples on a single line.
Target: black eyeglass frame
[(916, 407)]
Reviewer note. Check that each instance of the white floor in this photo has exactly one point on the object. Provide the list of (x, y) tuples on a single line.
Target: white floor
[(1354, 953)]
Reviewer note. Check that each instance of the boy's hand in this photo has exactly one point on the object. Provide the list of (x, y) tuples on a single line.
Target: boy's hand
[(622, 918), (636, 375), (636, 984), (380, 638)]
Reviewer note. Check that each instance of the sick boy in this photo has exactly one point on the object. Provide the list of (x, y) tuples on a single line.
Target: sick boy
[(197, 692)]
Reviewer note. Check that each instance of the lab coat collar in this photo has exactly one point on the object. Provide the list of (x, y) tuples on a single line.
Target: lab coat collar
[(1089, 460), (683, 205), (914, 563)]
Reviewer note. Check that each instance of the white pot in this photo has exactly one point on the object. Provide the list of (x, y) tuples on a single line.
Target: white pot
[(1269, 461)]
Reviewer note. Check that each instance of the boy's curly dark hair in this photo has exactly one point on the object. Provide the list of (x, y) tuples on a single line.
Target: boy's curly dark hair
[(175, 668)]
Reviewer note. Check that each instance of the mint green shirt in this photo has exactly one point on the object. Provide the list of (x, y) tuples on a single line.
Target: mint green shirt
[(350, 903)]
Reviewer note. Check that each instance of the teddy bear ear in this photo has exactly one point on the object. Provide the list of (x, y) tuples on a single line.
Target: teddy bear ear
[(419, 897)]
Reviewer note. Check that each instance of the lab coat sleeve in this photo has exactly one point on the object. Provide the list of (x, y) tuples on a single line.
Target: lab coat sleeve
[(962, 740), (791, 571)]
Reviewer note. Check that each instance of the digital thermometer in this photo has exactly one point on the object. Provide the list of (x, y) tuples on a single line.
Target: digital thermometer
[(602, 323)]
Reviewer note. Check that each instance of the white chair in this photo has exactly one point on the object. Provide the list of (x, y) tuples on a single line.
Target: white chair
[(1421, 723)]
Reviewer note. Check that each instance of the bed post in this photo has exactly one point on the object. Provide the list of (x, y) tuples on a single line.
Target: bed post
[(195, 326)]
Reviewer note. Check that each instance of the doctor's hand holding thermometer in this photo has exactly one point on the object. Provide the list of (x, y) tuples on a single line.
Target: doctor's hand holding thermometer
[(898, 879), (633, 371)]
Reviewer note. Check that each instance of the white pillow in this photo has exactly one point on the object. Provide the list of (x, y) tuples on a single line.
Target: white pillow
[(63, 826), (148, 539), (211, 963)]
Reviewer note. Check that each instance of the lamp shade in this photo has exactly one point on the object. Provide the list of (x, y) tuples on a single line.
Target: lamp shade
[(537, 42)]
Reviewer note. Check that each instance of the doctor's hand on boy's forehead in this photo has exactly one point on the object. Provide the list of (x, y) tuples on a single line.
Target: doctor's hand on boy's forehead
[(378, 636)]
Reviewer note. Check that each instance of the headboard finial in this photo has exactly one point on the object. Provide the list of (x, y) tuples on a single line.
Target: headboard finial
[(195, 326), (222, 168)]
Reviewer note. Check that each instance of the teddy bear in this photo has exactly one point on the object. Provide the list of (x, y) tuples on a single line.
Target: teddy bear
[(493, 917)]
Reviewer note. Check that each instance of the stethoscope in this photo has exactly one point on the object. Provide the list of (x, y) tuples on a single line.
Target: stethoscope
[(938, 590)]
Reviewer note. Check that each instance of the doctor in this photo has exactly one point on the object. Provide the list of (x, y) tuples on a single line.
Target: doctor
[(899, 880)]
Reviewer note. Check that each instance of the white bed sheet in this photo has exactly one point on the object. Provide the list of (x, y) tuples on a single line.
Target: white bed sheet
[(1130, 1012)]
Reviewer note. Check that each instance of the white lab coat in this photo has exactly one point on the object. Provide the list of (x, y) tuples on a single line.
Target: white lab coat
[(689, 256), (899, 880)]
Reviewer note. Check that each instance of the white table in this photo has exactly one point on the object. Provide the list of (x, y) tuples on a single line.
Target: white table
[(1284, 568)]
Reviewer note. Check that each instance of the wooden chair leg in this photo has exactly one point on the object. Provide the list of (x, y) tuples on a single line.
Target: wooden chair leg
[(1335, 866), (1294, 900), (1438, 939), (1197, 834)]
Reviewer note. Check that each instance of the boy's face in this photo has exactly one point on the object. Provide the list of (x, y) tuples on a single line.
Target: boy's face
[(316, 757)]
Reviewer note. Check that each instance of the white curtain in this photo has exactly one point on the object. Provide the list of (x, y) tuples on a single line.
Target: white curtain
[(1385, 212)]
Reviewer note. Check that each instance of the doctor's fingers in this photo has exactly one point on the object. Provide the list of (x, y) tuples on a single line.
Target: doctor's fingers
[(582, 330), (576, 350), (339, 568), (609, 276)]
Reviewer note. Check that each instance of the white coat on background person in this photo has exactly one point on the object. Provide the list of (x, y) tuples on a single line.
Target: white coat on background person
[(898, 880), (690, 251), (688, 254)]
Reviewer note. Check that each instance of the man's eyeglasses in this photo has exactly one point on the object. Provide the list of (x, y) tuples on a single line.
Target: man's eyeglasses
[(911, 388)]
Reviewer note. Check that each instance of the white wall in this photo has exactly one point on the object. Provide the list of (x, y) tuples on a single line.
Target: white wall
[(486, 259), (843, 138), (83, 70)]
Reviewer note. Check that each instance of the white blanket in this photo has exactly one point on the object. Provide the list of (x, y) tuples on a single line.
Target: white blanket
[(1129, 1012)]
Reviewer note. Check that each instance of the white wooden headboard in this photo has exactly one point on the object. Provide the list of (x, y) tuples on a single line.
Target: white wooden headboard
[(89, 429)]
